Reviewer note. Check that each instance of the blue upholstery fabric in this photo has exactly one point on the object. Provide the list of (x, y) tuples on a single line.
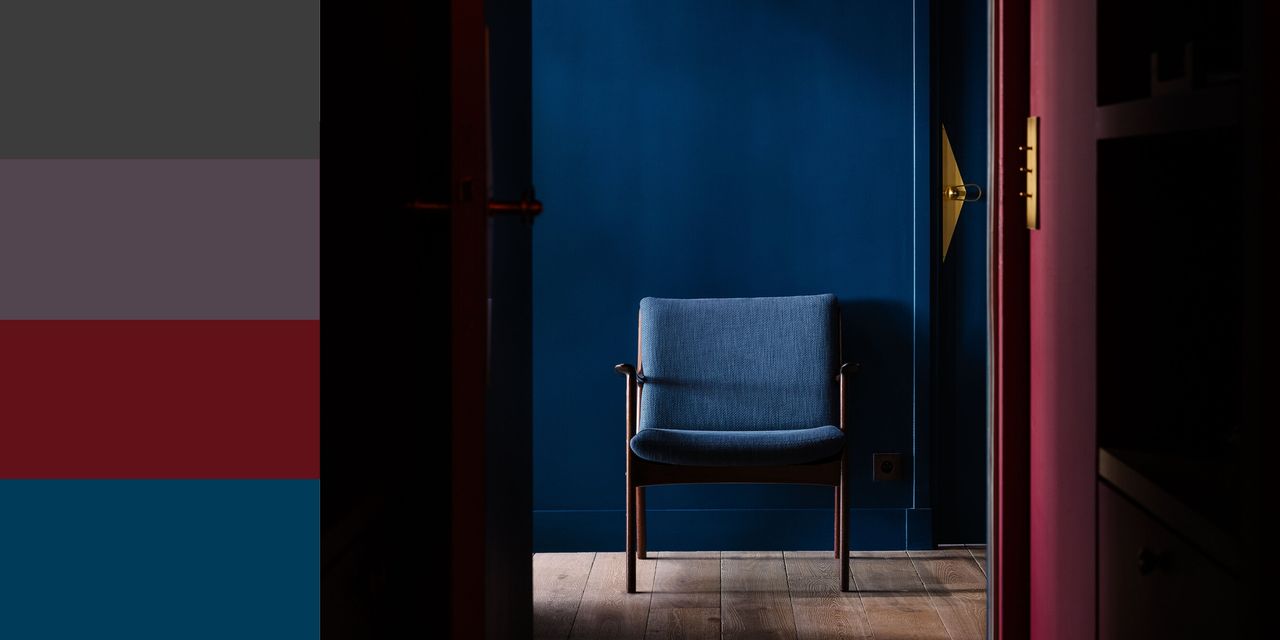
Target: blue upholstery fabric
[(738, 381), (737, 448), (738, 364)]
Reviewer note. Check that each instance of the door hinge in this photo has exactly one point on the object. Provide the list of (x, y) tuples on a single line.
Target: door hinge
[(1030, 169)]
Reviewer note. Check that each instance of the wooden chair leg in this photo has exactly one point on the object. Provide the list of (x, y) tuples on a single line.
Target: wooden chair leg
[(631, 535), (641, 543), (835, 511), (844, 522)]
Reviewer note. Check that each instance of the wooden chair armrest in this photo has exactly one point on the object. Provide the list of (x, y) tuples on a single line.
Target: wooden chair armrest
[(847, 371), (630, 372), (634, 380)]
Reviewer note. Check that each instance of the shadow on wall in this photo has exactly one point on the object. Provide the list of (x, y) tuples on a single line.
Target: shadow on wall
[(880, 416), (876, 335)]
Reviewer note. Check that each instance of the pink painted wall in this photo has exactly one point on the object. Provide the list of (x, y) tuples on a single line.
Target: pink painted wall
[(1063, 449)]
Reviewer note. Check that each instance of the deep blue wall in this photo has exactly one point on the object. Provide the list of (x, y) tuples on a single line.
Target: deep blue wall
[(715, 149)]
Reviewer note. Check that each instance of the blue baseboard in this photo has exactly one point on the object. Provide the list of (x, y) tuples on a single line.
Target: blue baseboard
[(732, 529), (919, 528)]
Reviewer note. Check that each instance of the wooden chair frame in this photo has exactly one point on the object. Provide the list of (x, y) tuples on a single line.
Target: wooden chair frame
[(643, 473)]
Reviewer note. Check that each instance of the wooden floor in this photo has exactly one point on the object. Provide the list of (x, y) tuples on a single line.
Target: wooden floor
[(734, 594)]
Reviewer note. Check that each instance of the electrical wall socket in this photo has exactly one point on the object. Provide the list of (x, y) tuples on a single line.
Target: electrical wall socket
[(886, 466)]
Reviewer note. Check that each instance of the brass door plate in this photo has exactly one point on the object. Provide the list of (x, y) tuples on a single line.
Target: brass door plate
[(950, 204), (1031, 170)]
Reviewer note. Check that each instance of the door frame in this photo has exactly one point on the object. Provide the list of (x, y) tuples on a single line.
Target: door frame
[(468, 315), (1006, 428), (1009, 327)]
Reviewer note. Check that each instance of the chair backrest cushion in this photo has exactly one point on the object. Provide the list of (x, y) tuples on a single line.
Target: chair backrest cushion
[(739, 364)]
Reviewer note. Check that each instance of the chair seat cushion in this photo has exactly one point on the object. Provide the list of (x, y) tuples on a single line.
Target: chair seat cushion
[(737, 448)]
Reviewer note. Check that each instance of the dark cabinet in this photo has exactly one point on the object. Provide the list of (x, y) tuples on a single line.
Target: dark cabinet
[(1154, 583), (1185, 266)]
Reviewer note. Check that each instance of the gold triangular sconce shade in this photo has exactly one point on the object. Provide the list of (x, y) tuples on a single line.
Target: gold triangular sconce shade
[(950, 207)]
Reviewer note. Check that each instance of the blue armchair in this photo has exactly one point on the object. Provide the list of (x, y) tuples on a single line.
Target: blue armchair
[(747, 390)]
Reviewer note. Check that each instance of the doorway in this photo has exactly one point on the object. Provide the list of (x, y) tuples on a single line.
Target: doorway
[(784, 151), (720, 150)]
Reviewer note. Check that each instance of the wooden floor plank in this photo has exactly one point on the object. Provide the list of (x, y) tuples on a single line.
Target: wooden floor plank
[(755, 602), (958, 589), (980, 556), (761, 595), (948, 570), (894, 598), (821, 610), (686, 595), (558, 582), (607, 611)]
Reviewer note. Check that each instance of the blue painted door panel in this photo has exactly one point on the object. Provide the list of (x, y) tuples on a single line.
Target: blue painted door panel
[(960, 432)]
